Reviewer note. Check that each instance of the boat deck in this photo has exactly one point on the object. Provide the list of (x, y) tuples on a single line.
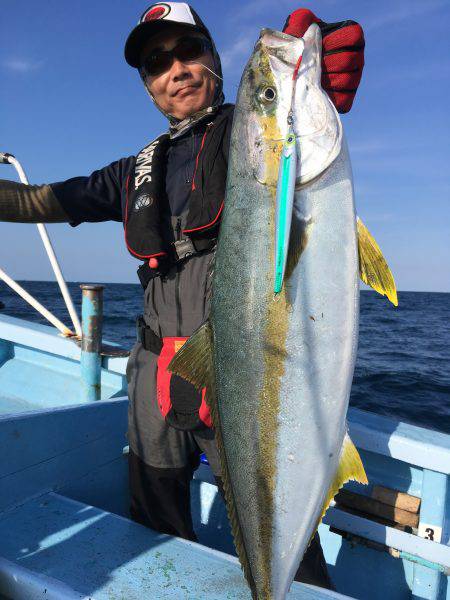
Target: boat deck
[(63, 456), (80, 551), (10, 404)]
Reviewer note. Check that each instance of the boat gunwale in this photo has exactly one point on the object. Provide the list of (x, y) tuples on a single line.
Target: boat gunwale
[(46, 338)]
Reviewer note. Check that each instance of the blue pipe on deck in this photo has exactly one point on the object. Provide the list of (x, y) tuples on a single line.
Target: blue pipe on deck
[(91, 341), (424, 563)]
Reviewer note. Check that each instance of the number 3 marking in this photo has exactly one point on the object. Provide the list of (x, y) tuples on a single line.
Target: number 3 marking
[(430, 532)]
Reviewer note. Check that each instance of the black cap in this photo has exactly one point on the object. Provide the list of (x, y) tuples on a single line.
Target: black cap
[(156, 18)]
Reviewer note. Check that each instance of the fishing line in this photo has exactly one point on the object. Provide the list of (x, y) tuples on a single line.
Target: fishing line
[(207, 68), (290, 117)]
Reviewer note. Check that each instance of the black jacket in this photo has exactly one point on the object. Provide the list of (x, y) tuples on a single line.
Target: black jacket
[(190, 177)]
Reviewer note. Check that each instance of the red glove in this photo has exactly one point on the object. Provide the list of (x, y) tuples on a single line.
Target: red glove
[(342, 54)]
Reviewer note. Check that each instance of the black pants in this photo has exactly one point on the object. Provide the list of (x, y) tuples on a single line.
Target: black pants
[(161, 500)]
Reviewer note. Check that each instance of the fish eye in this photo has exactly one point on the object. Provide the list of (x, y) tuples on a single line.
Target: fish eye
[(267, 94)]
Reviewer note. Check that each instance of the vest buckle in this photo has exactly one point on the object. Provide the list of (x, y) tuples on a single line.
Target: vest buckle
[(184, 249)]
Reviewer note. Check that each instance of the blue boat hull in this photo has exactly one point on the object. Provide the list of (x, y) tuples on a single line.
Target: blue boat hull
[(64, 523)]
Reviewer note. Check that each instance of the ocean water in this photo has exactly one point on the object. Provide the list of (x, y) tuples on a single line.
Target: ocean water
[(403, 364)]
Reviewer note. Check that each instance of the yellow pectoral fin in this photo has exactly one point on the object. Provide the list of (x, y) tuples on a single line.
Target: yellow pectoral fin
[(373, 268), (193, 361), (350, 468)]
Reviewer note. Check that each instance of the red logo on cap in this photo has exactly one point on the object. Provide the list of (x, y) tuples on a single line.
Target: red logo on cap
[(159, 11)]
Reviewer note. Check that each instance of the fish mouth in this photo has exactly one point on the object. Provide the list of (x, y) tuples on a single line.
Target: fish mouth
[(277, 34), (282, 46)]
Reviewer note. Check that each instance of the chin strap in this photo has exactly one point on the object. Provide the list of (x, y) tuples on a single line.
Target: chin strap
[(177, 127)]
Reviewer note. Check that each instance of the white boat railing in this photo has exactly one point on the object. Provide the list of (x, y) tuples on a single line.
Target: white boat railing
[(12, 160), (35, 304)]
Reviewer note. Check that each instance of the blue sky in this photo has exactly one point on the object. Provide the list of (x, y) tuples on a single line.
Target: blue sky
[(70, 104)]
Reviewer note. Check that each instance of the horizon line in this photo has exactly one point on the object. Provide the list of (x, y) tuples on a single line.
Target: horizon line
[(105, 283)]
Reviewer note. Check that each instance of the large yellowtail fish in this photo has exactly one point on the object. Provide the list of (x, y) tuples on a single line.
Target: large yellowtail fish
[(278, 366)]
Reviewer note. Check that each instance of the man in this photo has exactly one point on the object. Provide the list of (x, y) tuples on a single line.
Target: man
[(170, 198)]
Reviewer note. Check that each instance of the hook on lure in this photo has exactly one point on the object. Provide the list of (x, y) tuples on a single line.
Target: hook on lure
[(285, 192)]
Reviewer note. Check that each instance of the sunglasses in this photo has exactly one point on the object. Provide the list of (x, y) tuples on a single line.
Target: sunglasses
[(188, 48)]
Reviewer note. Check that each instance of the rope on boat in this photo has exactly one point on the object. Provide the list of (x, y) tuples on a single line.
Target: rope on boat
[(9, 158)]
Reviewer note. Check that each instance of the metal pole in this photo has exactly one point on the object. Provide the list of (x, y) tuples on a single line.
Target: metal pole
[(425, 563), (59, 277), (12, 160), (91, 341), (35, 304)]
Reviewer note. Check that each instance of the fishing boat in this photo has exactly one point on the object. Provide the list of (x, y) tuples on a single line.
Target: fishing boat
[(65, 530), (64, 526)]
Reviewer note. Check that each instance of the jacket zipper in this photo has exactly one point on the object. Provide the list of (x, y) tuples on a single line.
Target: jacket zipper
[(189, 174), (193, 186), (177, 282)]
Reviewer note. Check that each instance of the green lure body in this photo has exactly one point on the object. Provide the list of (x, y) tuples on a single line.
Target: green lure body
[(284, 206)]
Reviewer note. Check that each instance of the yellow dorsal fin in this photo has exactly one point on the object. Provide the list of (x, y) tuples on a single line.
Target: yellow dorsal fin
[(350, 468), (373, 268), (194, 362)]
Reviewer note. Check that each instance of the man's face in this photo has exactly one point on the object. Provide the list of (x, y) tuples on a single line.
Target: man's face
[(186, 87)]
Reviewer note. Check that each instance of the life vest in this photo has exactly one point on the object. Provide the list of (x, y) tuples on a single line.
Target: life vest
[(146, 200), (147, 236)]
